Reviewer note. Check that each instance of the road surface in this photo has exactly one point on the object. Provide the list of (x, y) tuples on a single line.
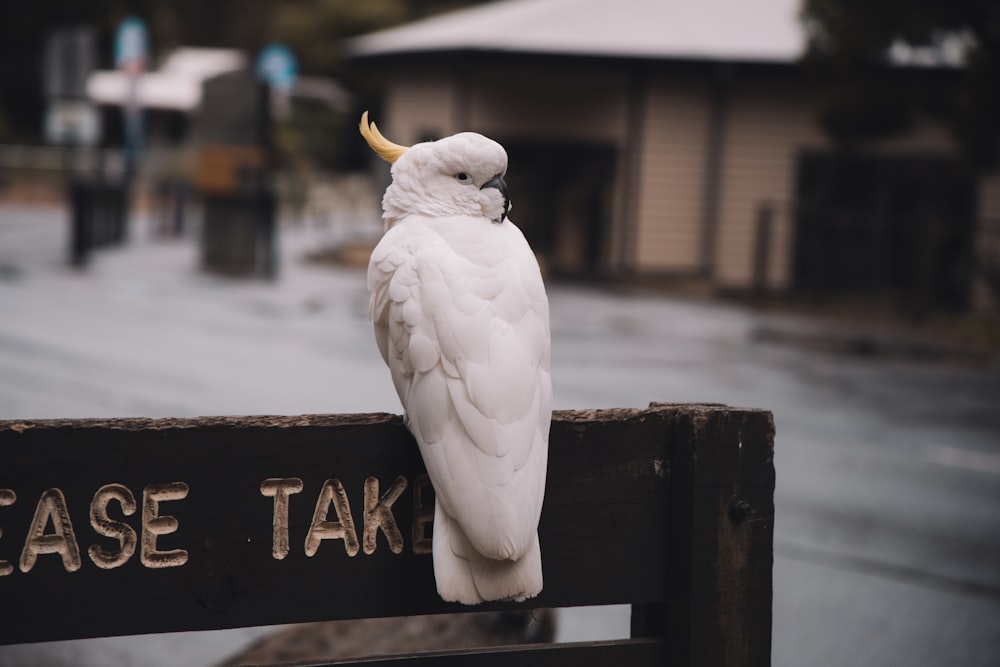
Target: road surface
[(887, 545)]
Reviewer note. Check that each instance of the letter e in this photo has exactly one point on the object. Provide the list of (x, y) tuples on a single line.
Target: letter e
[(154, 525), (7, 498)]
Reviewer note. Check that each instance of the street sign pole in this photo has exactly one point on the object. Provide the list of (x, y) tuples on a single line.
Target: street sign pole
[(131, 54), (277, 66)]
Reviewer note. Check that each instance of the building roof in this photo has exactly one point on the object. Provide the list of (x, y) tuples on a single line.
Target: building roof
[(175, 85), (724, 30)]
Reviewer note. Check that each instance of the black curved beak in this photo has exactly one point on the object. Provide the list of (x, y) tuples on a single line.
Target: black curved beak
[(498, 183)]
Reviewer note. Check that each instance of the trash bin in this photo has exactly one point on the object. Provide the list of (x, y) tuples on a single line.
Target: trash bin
[(233, 177), (239, 234)]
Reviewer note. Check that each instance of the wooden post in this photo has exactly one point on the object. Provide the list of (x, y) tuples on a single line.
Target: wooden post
[(763, 231), (721, 527), (723, 520)]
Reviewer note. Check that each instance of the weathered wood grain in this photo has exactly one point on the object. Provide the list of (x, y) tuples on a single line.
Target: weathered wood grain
[(636, 511), (722, 524), (583, 654)]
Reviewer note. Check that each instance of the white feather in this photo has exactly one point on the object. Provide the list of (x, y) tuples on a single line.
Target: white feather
[(461, 319)]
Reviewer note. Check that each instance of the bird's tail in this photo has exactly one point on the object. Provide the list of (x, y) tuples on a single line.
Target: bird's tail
[(464, 575)]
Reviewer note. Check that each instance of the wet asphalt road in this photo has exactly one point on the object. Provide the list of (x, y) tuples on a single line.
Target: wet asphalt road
[(887, 544)]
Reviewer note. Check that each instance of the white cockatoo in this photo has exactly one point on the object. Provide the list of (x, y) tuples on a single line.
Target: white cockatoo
[(462, 320)]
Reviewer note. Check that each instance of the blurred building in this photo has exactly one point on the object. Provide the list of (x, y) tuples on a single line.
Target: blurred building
[(176, 84), (172, 94), (676, 140)]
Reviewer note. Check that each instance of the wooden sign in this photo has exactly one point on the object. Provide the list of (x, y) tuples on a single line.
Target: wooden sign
[(128, 526)]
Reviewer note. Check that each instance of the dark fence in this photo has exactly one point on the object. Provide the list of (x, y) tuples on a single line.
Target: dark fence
[(127, 526), (98, 216)]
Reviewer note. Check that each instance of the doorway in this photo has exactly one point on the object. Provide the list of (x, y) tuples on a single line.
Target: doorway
[(562, 195)]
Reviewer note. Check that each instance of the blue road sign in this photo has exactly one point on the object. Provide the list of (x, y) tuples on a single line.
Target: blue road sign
[(131, 43), (277, 66)]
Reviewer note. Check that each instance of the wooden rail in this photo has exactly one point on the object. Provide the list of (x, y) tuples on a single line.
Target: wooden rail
[(127, 526)]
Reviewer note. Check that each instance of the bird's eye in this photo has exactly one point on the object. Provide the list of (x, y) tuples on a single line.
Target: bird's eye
[(463, 177)]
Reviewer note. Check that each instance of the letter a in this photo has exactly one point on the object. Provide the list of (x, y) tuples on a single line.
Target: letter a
[(321, 529), (52, 505)]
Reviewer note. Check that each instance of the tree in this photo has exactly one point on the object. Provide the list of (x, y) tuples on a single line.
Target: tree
[(953, 45)]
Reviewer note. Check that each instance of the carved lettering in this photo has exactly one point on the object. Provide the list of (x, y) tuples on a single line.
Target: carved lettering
[(51, 507), (7, 498), (280, 489), (154, 525), (52, 532), (102, 525), (378, 514), (423, 514), (321, 529)]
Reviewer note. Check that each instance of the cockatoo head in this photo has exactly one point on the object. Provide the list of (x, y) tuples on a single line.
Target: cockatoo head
[(458, 175)]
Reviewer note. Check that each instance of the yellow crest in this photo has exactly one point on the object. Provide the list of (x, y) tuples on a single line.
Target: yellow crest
[(386, 150)]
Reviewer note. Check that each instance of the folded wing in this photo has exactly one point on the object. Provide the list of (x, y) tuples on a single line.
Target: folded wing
[(462, 322)]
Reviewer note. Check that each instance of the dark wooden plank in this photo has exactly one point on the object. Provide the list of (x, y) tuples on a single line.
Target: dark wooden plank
[(604, 526), (722, 531), (583, 654)]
